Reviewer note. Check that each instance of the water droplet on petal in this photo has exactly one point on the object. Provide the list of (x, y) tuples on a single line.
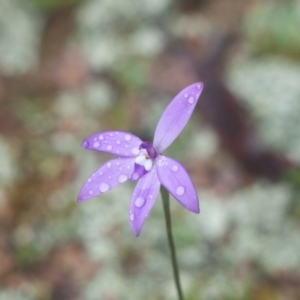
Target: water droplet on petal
[(151, 196), (122, 178), (111, 134), (135, 150), (109, 147), (180, 190), (90, 179), (101, 137), (91, 192), (135, 176), (104, 187), (118, 142), (139, 202), (108, 164), (96, 145), (85, 144), (127, 137), (131, 217), (100, 173), (198, 86), (174, 168), (186, 95), (191, 100)]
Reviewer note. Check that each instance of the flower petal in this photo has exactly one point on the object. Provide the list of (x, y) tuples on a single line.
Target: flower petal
[(144, 196), (111, 174), (175, 116), (119, 143), (177, 181)]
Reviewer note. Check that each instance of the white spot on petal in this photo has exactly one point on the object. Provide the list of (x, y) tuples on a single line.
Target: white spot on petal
[(122, 178), (135, 150), (109, 147), (104, 187), (191, 100), (96, 145), (108, 164), (118, 142), (90, 179), (91, 192), (186, 95), (131, 217), (180, 190), (127, 137), (101, 137), (139, 202), (174, 168)]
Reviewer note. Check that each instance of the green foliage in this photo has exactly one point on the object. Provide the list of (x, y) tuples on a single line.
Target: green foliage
[(53, 5), (275, 29)]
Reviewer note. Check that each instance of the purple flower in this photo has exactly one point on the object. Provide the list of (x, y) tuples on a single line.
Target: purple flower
[(143, 161)]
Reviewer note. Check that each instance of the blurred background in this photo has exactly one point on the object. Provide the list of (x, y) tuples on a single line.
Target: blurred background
[(70, 68)]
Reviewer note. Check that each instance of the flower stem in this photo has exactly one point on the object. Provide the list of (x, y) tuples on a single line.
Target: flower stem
[(165, 198)]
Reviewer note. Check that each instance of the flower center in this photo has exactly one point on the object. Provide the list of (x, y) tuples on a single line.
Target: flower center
[(146, 156), (149, 149)]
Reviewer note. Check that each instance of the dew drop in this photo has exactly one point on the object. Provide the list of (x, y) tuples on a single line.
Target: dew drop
[(127, 137), (175, 168), (101, 137), (135, 176), (96, 145), (122, 178), (191, 100), (135, 150), (91, 192), (108, 164), (131, 217), (198, 86), (186, 95), (139, 202), (90, 179), (111, 134), (109, 147), (104, 187), (180, 190), (118, 142)]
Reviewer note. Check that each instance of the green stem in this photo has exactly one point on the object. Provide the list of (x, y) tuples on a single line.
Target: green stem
[(165, 198)]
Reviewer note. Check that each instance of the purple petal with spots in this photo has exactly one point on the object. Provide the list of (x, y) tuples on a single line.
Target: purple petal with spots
[(119, 143), (111, 174), (138, 172), (174, 177), (144, 196), (175, 116)]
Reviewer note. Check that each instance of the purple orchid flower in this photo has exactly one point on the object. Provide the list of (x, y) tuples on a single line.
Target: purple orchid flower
[(143, 161)]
